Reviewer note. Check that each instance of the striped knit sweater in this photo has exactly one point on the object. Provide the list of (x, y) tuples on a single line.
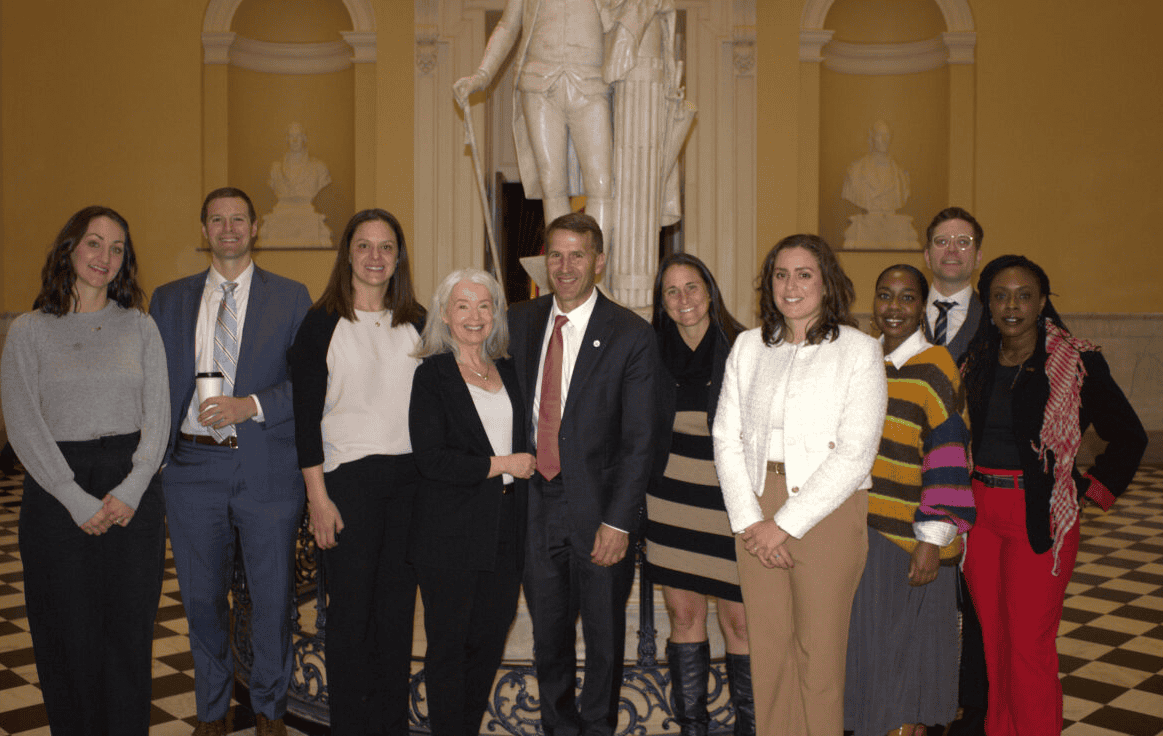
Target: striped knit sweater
[(921, 472)]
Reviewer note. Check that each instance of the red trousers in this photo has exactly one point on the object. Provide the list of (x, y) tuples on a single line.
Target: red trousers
[(1019, 602)]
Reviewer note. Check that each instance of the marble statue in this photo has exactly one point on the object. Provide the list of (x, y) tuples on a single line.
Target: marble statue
[(878, 185), (295, 180), (574, 57)]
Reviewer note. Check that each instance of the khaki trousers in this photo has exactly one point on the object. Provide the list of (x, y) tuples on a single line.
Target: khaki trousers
[(797, 619)]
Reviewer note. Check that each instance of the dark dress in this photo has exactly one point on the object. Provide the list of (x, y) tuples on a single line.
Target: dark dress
[(689, 544)]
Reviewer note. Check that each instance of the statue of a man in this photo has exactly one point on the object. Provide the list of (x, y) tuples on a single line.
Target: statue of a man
[(876, 184), (560, 96), (295, 180)]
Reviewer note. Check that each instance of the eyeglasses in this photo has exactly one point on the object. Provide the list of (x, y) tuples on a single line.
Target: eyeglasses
[(960, 242)]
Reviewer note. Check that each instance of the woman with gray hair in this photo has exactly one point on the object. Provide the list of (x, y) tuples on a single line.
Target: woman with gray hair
[(467, 423)]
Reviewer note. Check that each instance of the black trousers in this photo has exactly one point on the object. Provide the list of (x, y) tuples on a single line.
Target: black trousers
[(92, 600), (560, 583), (973, 687), (467, 615), (371, 596)]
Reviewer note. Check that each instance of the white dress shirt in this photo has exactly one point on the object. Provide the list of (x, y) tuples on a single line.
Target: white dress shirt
[(572, 333), (957, 313), (204, 337)]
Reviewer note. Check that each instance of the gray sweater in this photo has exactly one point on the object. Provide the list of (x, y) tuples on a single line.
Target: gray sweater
[(80, 377)]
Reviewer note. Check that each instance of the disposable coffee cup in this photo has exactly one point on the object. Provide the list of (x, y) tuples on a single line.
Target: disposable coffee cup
[(209, 385)]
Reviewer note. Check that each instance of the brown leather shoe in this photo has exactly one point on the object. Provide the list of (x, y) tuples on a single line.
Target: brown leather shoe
[(264, 726), (210, 728)]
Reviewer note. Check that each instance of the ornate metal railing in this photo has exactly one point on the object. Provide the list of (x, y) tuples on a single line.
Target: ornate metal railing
[(514, 709)]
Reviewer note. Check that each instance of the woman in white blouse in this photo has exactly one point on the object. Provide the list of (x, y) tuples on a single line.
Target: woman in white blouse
[(467, 542), (351, 374), (799, 422)]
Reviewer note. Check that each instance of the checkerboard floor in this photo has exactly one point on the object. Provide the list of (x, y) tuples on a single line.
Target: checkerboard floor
[(1110, 642)]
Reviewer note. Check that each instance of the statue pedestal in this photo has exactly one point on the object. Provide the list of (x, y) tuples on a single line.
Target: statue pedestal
[(294, 225), (880, 231)]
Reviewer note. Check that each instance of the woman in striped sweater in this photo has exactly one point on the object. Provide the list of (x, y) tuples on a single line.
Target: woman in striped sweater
[(902, 643)]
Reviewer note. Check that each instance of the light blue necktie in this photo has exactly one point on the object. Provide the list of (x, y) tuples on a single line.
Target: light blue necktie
[(226, 347)]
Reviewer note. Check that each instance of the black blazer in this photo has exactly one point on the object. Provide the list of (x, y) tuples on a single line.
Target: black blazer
[(608, 424), (1103, 405), (457, 510)]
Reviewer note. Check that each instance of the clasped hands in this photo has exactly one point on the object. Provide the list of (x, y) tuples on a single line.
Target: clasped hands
[(765, 541), (113, 511)]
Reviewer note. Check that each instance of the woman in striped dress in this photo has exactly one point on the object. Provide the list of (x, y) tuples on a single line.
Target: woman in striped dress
[(690, 550), (903, 635)]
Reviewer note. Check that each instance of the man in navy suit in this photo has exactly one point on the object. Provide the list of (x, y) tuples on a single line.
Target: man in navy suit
[(231, 465), (952, 253), (594, 437)]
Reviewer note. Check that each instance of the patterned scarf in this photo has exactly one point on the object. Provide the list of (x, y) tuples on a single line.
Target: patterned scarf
[(1061, 435)]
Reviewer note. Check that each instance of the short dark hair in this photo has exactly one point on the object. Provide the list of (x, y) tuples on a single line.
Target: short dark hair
[(228, 193), (913, 271), (721, 319), (955, 213), (399, 298), (837, 299), (576, 222), (58, 279)]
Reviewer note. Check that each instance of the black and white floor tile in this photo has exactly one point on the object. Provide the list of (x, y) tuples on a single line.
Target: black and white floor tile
[(1110, 642)]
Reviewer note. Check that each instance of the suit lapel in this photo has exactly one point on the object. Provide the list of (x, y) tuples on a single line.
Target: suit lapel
[(593, 343), (535, 335), (252, 332), (188, 321), (465, 407)]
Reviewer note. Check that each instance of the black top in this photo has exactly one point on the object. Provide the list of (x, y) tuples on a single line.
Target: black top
[(1103, 405), (998, 449)]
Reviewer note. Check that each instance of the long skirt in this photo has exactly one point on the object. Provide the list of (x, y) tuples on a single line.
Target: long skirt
[(902, 646)]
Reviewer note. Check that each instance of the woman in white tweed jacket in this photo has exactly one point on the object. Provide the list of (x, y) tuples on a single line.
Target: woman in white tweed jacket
[(798, 426)]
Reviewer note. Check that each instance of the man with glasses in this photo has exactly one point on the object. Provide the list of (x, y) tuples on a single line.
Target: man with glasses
[(952, 252), (952, 314)]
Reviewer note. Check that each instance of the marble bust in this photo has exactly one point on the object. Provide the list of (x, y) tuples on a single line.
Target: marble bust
[(295, 180), (879, 186)]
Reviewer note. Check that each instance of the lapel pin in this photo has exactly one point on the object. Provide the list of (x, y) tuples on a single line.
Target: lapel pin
[(597, 343)]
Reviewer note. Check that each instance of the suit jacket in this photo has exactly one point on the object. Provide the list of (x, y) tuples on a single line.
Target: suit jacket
[(608, 425), (275, 308), (959, 343), (457, 511)]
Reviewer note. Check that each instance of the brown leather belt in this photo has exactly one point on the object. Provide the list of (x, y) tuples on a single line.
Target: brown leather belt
[(205, 439), (775, 466)]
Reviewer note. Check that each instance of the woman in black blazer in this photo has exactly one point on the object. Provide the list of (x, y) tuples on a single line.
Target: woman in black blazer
[(467, 422)]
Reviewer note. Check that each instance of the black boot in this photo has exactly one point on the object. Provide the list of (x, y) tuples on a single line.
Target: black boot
[(739, 682), (690, 665)]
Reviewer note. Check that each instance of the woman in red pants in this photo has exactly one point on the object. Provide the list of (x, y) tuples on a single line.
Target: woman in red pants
[(1032, 390)]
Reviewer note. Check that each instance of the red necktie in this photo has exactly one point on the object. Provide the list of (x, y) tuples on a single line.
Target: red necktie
[(549, 412)]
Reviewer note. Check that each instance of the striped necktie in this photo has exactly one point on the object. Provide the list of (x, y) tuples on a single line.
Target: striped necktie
[(226, 347), (942, 325)]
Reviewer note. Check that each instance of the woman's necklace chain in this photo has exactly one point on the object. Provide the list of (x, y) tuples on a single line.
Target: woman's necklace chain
[(483, 376)]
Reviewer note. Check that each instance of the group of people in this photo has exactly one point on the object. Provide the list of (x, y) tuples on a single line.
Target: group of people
[(818, 483)]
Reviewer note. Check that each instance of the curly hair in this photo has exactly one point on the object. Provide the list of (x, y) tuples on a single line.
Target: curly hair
[(58, 278), (728, 326), (399, 298), (836, 302)]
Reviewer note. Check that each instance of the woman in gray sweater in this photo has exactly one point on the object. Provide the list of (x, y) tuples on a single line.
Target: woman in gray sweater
[(86, 402)]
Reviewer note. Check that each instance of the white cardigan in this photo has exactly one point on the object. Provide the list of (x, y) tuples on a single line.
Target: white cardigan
[(833, 416)]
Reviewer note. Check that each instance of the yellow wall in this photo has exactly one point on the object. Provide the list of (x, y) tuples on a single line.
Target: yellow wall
[(101, 102)]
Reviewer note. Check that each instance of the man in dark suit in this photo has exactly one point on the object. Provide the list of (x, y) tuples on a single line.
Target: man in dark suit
[(587, 368), (231, 465), (952, 316)]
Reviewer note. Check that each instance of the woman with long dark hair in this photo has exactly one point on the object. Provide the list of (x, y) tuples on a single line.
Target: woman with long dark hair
[(351, 374), (795, 435), (1033, 389), (86, 403), (903, 637), (690, 550)]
